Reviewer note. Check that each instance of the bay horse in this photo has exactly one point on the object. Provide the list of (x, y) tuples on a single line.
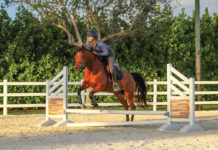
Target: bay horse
[(95, 76)]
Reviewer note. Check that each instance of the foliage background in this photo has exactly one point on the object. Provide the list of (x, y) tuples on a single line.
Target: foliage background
[(31, 51)]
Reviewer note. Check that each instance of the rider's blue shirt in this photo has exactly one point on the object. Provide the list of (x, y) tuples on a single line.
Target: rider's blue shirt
[(101, 48)]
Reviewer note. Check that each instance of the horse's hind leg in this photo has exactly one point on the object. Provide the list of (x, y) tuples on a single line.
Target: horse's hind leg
[(130, 96), (123, 102)]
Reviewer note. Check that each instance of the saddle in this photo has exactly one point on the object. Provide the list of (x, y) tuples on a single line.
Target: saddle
[(119, 74)]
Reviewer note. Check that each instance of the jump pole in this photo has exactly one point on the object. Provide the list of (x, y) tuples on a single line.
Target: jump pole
[(129, 112), (118, 123)]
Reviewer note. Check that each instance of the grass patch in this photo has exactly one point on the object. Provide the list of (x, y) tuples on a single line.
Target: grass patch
[(25, 111)]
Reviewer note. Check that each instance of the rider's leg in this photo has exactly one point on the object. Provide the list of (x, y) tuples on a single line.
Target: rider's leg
[(111, 60)]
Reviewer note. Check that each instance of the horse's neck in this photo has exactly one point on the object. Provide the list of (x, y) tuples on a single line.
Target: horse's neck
[(94, 64)]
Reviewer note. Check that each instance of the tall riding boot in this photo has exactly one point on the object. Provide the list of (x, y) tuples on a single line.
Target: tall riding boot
[(115, 85)]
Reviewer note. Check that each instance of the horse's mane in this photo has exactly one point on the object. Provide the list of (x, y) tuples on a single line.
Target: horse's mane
[(89, 52)]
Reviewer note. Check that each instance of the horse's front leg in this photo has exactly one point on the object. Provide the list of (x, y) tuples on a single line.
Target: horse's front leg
[(83, 87)]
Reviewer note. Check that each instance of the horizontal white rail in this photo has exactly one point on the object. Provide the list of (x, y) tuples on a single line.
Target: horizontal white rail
[(205, 102), (23, 105), (22, 83), (206, 92), (23, 94), (206, 82), (124, 123), (82, 111), (75, 83)]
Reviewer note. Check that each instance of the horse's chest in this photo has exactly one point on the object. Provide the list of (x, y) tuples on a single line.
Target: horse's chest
[(94, 79)]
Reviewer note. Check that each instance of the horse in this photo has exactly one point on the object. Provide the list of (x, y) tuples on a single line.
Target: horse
[(132, 85)]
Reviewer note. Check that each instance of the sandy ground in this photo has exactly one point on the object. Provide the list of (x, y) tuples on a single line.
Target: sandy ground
[(21, 133)]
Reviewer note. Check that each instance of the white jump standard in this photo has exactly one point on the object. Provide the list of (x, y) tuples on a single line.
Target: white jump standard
[(180, 101), (56, 99)]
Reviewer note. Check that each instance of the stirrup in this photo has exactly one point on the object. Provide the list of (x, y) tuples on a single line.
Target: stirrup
[(116, 87)]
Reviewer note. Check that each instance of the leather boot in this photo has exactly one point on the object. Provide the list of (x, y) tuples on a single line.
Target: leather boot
[(115, 85)]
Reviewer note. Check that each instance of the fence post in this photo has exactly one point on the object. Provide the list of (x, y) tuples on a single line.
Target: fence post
[(192, 100), (169, 89), (155, 95), (5, 109), (47, 100)]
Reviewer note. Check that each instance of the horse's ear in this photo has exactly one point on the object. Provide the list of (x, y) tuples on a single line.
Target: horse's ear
[(83, 47)]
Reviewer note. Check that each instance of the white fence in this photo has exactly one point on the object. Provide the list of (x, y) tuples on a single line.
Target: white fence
[(154, 93)]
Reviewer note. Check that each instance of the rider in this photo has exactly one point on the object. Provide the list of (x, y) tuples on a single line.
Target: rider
[(100, 49)]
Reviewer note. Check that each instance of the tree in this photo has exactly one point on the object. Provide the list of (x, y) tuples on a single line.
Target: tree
[(110, 18), (5, 40)]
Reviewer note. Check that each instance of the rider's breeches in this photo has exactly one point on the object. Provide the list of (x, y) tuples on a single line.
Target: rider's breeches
[(111, 60)]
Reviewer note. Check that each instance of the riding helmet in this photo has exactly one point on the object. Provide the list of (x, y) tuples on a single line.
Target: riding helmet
[(92, 33)]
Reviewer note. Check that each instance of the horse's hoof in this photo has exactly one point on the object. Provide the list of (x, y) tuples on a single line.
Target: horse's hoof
[(94, 105)]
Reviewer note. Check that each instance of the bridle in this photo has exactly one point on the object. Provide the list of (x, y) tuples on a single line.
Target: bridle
[(82, 63)]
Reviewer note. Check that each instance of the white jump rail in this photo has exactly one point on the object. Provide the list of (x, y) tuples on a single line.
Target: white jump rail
[(117, 123), (81, 111)]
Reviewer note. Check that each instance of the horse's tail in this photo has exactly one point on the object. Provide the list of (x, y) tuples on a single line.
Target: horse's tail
[(141, 90)]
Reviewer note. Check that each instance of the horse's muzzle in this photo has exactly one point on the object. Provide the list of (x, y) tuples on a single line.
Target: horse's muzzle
[(76, 68)]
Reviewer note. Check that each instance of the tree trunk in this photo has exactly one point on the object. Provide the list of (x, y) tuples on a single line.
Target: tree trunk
[(197, 48)]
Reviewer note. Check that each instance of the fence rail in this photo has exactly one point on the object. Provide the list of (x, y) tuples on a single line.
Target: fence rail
[(154, 93)]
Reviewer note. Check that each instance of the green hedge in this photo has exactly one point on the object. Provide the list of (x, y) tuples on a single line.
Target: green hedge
[(31, 51)]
